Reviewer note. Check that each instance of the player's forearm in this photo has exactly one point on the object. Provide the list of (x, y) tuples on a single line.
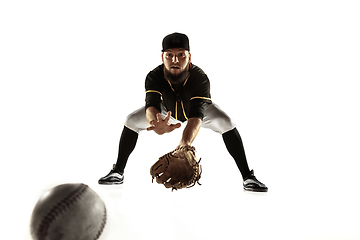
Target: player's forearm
[(190, 132), (151, 114)]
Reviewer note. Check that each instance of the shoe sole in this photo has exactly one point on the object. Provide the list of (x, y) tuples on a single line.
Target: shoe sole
[(255, 190), (110, 183)]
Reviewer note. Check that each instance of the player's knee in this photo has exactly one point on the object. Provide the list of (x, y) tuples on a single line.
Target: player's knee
[(224, 124), (131, 118), (136, 120)]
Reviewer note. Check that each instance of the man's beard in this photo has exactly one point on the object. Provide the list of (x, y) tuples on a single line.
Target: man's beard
[(176, 78)]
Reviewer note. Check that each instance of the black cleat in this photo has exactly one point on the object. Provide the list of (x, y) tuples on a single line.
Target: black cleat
[(114, 177), (254, 185)]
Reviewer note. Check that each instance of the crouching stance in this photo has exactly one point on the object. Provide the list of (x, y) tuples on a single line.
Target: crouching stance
[(178, 91)]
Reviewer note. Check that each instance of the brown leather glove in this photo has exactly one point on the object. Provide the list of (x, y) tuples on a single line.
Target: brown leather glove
[(177, 169)]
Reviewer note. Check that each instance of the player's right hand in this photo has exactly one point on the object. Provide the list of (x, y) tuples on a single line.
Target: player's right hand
[(161, 126)]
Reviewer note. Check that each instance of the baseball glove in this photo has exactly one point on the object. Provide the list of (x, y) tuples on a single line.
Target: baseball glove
[(177, 169)]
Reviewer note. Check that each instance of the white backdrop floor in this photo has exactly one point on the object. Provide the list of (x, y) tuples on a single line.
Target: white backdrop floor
[(285, 71), (298, 205)]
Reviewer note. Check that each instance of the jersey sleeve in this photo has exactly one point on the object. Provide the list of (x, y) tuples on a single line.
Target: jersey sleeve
[(200, 97), (197, 109), (153, 90)]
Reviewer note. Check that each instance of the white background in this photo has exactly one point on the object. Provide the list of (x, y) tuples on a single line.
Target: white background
[(287, 72)]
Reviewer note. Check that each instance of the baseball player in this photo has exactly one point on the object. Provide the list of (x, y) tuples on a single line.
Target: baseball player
[(178, 91)]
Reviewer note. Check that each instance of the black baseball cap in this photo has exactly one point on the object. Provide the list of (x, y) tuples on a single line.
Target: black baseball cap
[(176, 40)]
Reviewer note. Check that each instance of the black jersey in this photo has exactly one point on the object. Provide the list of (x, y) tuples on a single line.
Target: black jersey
[(186, 100)]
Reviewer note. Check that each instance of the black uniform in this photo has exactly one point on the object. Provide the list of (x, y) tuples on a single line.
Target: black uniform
[(186, 100)]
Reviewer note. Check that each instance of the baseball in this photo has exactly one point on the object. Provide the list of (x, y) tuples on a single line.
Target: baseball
[(68, 212)]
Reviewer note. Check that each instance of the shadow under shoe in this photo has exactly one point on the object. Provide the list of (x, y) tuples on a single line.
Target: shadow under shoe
[(113, 177), (254, 185)]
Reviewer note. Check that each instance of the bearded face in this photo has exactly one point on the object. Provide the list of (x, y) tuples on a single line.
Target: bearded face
[(177, 77), (176, 62)]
